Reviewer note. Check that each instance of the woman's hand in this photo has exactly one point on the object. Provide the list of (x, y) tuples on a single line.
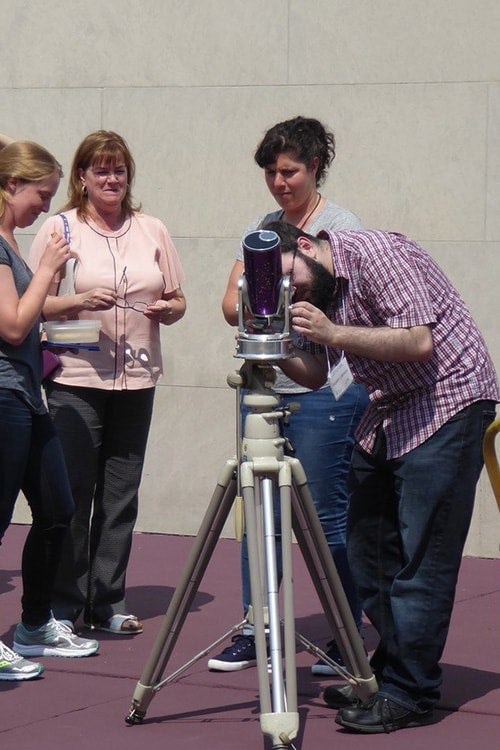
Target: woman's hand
[(167, 310), (71, 305), (96, 299), (57, 252)]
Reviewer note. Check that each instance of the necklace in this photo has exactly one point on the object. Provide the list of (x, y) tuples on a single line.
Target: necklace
[(110, 233), (304, 221)]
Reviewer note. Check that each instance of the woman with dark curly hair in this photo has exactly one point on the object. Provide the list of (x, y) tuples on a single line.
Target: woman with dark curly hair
[(295, 156)]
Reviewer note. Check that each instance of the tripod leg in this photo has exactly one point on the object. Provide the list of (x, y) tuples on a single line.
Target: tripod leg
[(276, 719), (319, 561), (285, 483), (186, 589), (254, 565), (272, 592)]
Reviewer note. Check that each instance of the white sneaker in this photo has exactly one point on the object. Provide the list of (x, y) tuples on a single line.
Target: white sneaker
[(14, 667), (54, 638)]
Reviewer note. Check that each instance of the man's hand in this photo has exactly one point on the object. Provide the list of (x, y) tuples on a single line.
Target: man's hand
[(309, 321), (381, 343)]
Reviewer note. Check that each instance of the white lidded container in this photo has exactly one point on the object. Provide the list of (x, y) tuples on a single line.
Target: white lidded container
[(72, 331)]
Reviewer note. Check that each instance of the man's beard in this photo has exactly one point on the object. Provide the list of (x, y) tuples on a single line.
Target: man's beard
[(323, 284)]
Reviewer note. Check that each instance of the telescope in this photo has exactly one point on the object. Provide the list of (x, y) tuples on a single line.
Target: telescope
[(261, 469), (263, 300)]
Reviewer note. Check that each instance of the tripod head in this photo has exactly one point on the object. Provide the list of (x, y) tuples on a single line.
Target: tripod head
[(263, 300), (262, 434)]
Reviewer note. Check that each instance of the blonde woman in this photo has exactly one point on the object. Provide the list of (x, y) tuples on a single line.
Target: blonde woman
[(33, 461)]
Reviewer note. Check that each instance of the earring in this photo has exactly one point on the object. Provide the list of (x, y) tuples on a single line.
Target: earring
[(84, 190)]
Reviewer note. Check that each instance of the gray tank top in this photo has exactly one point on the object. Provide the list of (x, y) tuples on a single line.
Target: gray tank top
[(21, 366)]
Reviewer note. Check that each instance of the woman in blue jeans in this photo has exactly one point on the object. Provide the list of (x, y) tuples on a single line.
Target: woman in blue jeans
[(295, 156), (31, 458)]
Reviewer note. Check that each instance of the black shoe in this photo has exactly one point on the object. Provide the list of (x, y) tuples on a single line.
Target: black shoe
[(380, 715), (340, 697)]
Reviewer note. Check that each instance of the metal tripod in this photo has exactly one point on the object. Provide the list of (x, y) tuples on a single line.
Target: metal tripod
[(260, 467)]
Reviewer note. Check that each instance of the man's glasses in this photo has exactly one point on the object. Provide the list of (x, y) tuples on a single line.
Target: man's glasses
[(292, 268)]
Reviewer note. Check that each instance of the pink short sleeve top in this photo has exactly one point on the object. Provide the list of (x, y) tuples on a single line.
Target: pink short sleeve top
[(140, 263)]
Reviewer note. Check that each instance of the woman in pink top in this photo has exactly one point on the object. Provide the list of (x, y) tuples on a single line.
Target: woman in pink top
[(128, 276)]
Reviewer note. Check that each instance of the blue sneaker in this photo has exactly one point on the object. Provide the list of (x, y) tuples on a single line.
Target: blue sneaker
[(54, 638), (322, 668), (14, 667), (240, 655)]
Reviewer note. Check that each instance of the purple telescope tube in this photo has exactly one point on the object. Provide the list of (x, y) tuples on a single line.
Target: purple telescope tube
[(262, 259)]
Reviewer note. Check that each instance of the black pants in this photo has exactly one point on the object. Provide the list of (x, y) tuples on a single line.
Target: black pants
[(104, 436)]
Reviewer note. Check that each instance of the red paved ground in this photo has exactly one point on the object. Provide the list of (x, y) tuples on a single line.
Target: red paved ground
[(82, 703)]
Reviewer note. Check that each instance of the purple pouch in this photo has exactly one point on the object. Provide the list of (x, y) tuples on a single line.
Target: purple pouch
[(50, 363)]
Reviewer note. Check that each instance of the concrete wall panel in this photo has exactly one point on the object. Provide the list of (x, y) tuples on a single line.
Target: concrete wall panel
[(190, 443), (151, 43), (198, 350), (412, 91), (410, 158), (492, 149), (399, 41)]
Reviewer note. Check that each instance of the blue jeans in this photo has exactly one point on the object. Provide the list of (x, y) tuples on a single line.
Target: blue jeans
[(31, 460), (322, 435), (408, 521)]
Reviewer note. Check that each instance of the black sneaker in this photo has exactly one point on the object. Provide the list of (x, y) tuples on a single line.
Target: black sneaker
[(322, 668), (381, 715), (239, 655)]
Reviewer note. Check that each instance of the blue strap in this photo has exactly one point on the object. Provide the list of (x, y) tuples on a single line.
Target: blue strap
[(68, 280), (67, 234)]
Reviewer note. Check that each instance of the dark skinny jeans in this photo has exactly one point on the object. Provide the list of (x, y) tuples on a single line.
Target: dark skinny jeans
[(31, 460)]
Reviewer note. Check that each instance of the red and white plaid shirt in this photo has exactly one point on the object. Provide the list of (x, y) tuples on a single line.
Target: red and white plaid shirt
[(386, 279)]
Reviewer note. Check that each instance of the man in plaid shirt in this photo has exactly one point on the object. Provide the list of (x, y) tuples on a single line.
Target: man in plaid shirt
[(375, 307)]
